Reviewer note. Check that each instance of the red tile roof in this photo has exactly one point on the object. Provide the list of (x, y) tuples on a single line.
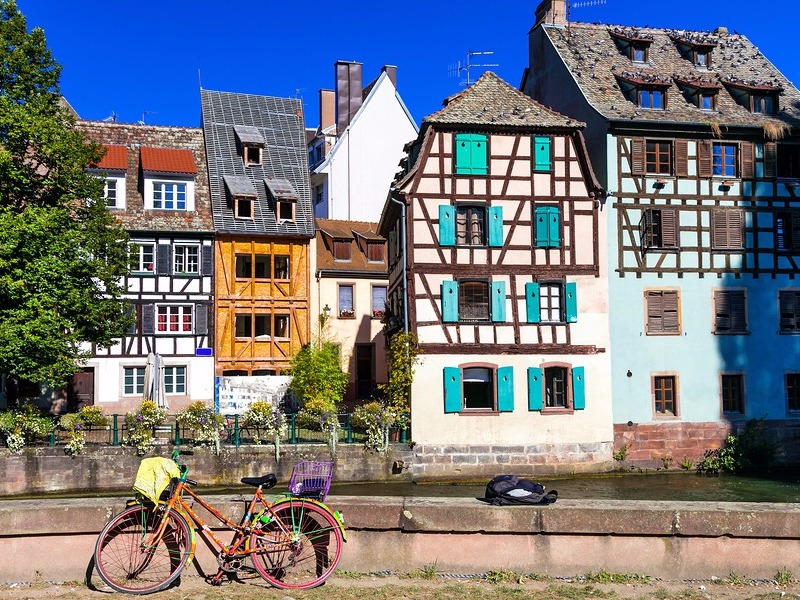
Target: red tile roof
[(167, 160), (115, 159)]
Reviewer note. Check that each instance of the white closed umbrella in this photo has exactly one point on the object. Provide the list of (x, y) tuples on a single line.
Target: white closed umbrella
[(158, 389), (149, 377)]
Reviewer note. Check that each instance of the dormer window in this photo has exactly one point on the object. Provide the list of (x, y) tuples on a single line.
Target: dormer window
[(762, 103), (639, 52), (701, 93), (702, 57), (112, 169), (341, 249), (696, 47), (651, 97), (243, 208), (285, 210), (168, 179), (375, 251), (645, 90), (250, 142), (633, 43), (243, 194), (758, 97), (284, 196), (706, 100)]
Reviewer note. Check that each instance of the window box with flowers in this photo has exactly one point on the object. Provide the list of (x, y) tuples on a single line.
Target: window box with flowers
[(347, 314), (378, 314)]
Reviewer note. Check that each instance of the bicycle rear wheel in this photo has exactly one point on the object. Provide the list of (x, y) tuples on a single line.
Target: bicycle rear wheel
[(128, 560), (300, 547)]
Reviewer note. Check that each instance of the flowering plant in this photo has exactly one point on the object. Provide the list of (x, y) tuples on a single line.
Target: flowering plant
[(376, 418), (140, 423), (204, 422), (265, 418), (23, 425), (76, 425), (319, 415)]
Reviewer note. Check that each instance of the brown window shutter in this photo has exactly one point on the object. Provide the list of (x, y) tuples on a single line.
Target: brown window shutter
[(738, 311), (637, 156), (655, 322), (671, 310), (704, 158), (669, 228), (747, 168), (727, 229), (662, 311), (735, 229), (681, 158), (795, 224), (646, 229), (770, 159)]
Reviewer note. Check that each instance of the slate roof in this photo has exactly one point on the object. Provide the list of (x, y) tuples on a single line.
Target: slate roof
[(331, 229), (129, 139), (279, 123), (597, 64), (490, 101)]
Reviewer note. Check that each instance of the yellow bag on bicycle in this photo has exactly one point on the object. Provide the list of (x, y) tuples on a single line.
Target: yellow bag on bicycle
[(154, 475)]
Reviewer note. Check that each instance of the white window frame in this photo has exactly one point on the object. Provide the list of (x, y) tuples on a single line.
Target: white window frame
[(152, 180), (137, 373), (178, 310), (140, 251), (172, 380), (182, 260)]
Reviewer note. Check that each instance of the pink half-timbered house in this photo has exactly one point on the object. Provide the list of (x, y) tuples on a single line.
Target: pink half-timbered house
[(496, 259)]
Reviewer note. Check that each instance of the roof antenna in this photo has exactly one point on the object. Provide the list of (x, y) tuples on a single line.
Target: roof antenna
[(581, 4), (458, 68), (145, 113), (112, 118)]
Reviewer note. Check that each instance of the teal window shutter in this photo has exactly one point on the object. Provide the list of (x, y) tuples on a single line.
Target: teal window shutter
[(450, 301), (578, 389), (452, 389), (495, 226), (535, 387), (498, 301), (541, 153), (470, 154), (532, 307), (548, 227), (571, 301), (505, 389), (447, 225)]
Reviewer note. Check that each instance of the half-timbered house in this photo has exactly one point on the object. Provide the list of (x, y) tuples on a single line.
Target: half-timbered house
[(156, 185), (496, 261), (258, 176), (695, 134)]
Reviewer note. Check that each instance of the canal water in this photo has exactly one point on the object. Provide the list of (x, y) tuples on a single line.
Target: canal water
[(781, 487)]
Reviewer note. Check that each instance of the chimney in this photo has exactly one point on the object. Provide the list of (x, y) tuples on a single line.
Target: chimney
[(348, 93), (551, 12), (391, 72), (327, 109)]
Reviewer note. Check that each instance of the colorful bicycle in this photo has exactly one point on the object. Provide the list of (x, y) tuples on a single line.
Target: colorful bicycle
[(294, 542)]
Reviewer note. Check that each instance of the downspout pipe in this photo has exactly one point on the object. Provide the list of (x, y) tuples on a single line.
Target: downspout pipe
[(405, 257)]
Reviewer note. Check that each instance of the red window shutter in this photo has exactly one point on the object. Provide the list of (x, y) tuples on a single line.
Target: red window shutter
[(681, 158), (747, 168), (704, 158), (637, 156), (770, 159)]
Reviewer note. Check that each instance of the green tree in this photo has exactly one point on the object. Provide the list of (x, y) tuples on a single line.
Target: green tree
[(62, 254), (402, 357)]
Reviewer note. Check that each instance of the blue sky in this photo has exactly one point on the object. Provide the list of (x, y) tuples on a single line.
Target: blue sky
[(140, 59)]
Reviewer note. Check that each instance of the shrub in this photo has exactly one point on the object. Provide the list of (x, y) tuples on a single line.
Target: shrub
[(77, 423), (204, 422), (23, 426), (140, 423), (750, 449), (266, 419), (375, 418)]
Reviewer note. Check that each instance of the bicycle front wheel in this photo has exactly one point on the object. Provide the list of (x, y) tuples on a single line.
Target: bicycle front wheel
[(131, 559), (299, 547)]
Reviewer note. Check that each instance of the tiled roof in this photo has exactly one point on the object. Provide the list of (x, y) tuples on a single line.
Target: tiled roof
[(279, 122), (331, 229), (597, 64), (134, 138), (115, 159), (491, 101), (167, 160)]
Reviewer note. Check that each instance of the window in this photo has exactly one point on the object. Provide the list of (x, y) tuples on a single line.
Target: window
[(142, 257), (378, 301), (175, 318), (263, 266), (702, 57), (341, 249), (243, 208), (243, 325), (665, 395), (318, 195), (244, 266), (638, 52), (281, 328), (267, 326), (730, 312), (346, 309), (789, 311), (110, 193), (175, 380), (186, 258), (473, 301), (169, 195), (662, 312), (478, 387), (375, 251), (470, 154), (551, 303), (658, 157), (285, 210), (547, 228), (732, 391), (658, 229), (541, 154), (281, 267), (727, 233), (470, 226), (706, 100), (763, 103), (723, 159), (788, 161), (655, 98), (793, 391), (555, 387), (263, 326), (252, 155), (133, 381)]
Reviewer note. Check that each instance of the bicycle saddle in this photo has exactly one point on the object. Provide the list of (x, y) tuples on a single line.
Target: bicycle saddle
[(266, 481)]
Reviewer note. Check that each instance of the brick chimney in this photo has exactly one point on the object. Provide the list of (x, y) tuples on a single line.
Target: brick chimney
[(327, 109), (349, 89), (552, 12), (391, 72)]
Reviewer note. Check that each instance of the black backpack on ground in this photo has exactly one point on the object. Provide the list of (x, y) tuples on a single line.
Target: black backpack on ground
[(506, 490)]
